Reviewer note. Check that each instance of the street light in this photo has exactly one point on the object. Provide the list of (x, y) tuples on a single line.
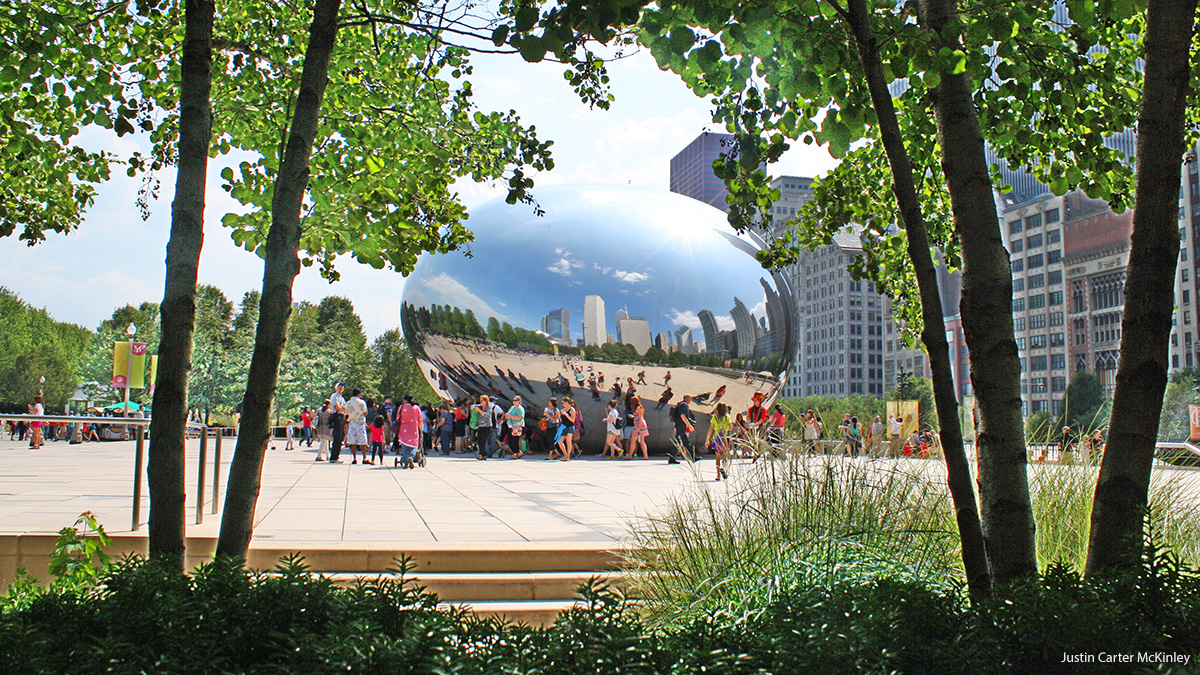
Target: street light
[(130, 331)]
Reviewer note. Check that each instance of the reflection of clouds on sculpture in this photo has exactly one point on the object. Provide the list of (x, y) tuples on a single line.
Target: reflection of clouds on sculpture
[(611, 271)]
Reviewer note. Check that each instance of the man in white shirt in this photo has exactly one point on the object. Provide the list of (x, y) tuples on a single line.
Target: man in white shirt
[(356, 427), (896, 427)]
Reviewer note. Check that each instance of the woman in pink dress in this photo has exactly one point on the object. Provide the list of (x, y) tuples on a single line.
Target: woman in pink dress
[(640, 430), (37, 408)]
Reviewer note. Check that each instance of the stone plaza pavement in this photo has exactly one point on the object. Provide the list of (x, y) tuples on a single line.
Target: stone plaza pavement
[(455, 499)]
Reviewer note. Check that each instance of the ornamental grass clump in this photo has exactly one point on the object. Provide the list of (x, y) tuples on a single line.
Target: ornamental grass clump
[(1062, 495), (731, 547)]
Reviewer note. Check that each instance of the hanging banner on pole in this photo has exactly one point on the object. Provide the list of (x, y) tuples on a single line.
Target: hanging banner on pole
[(138, 376), (1194, 418), (153, 374)]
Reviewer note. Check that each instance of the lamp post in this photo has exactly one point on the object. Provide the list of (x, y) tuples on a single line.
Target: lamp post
[(130, 331), (42, 386)]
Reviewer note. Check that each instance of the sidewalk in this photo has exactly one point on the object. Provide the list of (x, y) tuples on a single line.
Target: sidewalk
[(454, 499)]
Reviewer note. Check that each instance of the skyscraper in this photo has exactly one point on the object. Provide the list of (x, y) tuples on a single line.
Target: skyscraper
[(635, 330), (714, 340), (692, 173), (557, 326), (743, 323), (683, 338), (595, 328)]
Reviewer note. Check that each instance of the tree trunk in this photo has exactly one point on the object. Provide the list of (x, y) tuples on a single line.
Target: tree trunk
[(1007, 516), (165, 466), (1122, 491), (958, 472), (282, 265)]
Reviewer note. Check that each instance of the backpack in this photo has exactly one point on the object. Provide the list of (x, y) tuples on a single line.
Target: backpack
[(674, 414), (619, 422)]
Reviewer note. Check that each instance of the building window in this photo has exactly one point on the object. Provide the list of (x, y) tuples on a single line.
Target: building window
[(1057, 339), (1037, 321), (1016, 246), (1019, 323), (1014, 226), (1037, 301), (1034, 221), (1053, 256), (1058, 361), (1018, 305), (1054, 277), (1187, 297), (1033, 241), (1051, 216), (1018, 285), (1038, 386), (1037, 281), (1038, 342), (1108, 290), (1018, 265), (1020, 344), (1056, 318), (1035, 261), (1078, 296), (1056, 297), (1037, 363), (1053, 236), (1058, 384)]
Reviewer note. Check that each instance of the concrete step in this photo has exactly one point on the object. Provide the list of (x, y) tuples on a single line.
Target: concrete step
[(531, 612), (458, 587)]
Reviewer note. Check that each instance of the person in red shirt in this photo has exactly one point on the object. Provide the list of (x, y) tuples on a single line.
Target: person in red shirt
[(409, 433), (306, 419), (775, 429)]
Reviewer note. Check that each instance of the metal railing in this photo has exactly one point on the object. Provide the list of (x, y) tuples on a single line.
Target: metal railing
[(141, 424)]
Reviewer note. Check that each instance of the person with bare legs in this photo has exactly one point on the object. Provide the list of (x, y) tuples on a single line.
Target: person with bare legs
[(566, 428), (613, 437), (640, 430), (718, 437)]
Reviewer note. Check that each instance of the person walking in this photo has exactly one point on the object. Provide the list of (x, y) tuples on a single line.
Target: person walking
[(516, 427), (684, 424), (290, 430), (612, 439), (812, 432), (640, 430), (497, 415), (775, 426), (566, 430), (444, 428), (356, 426), (553, 433), (376, 431), (875, 437), (337, 423), (323, 417), (37, 409), (409, 433), (717, 439), (895, 428), (306, 428), (854, 437), (482, 414)]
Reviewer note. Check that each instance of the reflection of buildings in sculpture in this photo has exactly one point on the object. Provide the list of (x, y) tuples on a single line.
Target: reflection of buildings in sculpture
[(746, 330), (714, 338), (595, 327), (557, 326), (634, 330), (794, 192), (663, 342), (683, 340)]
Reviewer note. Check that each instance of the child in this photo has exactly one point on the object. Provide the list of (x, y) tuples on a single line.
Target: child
[(377, 439), (291, 433)]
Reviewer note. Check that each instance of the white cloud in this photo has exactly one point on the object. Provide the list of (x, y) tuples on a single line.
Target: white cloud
[(564, 265), (692, 320), (630, 277)]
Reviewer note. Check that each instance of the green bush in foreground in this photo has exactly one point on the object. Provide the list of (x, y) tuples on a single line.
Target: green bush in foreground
[(143, 619)]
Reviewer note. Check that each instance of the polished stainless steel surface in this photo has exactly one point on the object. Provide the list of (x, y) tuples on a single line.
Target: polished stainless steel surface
[(539, 302)]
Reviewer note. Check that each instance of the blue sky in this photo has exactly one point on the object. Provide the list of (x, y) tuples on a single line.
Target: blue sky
[(117, 258)]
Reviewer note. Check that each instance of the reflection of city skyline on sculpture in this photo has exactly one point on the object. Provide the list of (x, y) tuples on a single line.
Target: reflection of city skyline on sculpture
[(635, 269)]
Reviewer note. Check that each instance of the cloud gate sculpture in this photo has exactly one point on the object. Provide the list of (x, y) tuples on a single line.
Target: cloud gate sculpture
[(611, 285)]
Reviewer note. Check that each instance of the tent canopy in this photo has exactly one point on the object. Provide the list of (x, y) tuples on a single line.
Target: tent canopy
[(133, 405)]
